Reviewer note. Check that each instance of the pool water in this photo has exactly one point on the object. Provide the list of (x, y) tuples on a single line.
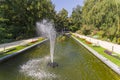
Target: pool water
[(75, 63)]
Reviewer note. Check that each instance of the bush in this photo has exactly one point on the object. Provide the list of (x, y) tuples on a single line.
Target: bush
[(79, 32), (118, 41), (87, 30), (108, 52), (101, 33), (61, 38)]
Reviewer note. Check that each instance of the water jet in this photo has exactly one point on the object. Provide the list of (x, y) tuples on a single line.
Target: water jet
[(47, 29)]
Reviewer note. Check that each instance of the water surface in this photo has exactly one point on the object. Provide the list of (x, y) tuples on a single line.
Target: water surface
[(75, 63)]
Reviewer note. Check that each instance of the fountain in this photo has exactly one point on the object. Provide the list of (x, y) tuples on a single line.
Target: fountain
[(75, 63), (47, 29)]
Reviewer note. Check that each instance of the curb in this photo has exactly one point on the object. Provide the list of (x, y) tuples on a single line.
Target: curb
[(110, 64), (20, 51)]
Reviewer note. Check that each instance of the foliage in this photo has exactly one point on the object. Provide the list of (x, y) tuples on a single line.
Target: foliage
[(61, 20), (76, 18), (97, 17), (87, 30), (61, 38), (20, 17), (103, 15)]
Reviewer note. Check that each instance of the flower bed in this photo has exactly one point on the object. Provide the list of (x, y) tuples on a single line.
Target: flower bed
[(88, 42), (33, 41)]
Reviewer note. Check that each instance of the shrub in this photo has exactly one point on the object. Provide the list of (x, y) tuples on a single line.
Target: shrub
[(118, 41), (108, 52), (87, 30)]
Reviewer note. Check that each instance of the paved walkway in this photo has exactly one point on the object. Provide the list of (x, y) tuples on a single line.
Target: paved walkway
[(14, 44)]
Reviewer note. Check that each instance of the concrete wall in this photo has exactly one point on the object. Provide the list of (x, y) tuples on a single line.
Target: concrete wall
[(107, 45)]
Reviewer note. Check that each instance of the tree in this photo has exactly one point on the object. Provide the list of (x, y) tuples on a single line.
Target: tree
[(20, 16), (103, 15), (62, 20), (76, 18)]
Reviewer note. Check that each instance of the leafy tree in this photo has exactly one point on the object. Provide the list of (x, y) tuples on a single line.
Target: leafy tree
[(76, 18), (103, 15), (20, 16), (62, 20)]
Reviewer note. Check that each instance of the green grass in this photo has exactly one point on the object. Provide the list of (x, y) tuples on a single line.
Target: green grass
[(100, 50), (18, 48)]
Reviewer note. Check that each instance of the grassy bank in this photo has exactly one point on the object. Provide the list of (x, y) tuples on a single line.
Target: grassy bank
[(101, 50), (18, 48)]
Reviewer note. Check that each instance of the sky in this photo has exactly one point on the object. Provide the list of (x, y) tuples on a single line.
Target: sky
[(67, 4)]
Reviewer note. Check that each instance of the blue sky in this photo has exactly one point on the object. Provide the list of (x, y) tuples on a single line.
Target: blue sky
[(67, 4)]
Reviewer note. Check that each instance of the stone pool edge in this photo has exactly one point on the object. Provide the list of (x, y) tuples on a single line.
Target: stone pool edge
[(110, 64), (20, 51)]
